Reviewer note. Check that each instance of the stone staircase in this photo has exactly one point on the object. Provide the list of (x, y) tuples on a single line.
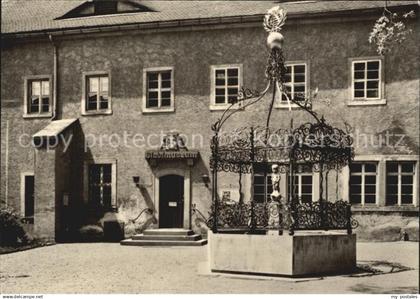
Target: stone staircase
[(166, 237)]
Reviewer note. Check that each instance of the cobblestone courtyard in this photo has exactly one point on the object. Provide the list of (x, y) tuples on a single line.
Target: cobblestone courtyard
[(111, 268)]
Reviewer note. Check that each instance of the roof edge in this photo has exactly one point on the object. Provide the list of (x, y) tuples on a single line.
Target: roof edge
[(194, 22)]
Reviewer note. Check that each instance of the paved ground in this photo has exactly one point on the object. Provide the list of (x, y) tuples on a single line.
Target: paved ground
[(111, 268)]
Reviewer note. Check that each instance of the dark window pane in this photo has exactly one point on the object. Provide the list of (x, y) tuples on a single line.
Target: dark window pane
[(372, 84), (359, 94), (307, 189), (232, 91), (370, 198), (152, 103), (166, 76), (220, 91), (233, 72), (407, 189), (259, 189), (392, 189), (220, 75), (166, 84), (306, 179), (92, 102), (220, 100), (391, 199), (407, 179), (103, 104), (34, 105), (369, 167), (373, 65), (258, 179), (299, 69), (153, 84), (153, 95), (355, 189), (45, 104), (166, 95), (392, 179), (166, 102), (299, 88), (370, 179), (220, 82), (232, 81), (359, 75), (406, 198), (373, 75), (392, 167), (356, 167), (369, 189), (359, 85), (372, 93), (359, 66), (355, 198), (355, 179), (152, 76), (407, 167)]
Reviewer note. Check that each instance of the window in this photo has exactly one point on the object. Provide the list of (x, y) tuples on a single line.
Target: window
[(100, 185), (302, 185), (97, 93), (295, 82), (262, 187), (37, 97), (159, 90), (400, 183), (226, 81), (28, 197), (105, 7), (363, 177), (366, 79)]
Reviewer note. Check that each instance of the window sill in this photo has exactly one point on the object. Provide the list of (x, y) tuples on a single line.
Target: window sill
[(224, 107), (29, 116), (367, 102), (92, 113), (384, 209), (287, 106), (159, 110)]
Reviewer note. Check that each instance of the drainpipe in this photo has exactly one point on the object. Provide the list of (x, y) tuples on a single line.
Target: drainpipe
[(55, 108)]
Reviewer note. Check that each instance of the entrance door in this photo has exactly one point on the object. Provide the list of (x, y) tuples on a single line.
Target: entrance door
[(171, 201)]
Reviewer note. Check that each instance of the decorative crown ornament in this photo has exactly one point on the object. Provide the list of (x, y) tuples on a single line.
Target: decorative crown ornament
[(274, 20)]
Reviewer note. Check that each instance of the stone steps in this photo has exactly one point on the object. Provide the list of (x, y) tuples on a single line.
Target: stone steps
[(165, 237)]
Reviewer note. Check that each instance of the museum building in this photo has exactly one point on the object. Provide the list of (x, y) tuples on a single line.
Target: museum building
[(107, 108)]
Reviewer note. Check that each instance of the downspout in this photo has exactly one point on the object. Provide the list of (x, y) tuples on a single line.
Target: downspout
[(54, 108)]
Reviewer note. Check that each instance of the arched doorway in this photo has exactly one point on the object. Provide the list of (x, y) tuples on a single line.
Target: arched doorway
[(171, 201)]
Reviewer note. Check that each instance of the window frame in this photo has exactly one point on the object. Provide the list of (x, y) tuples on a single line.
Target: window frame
[(299, 185), (380, 100), (267, 182), (85, 91), (87, 164), (27, 81), (158, 109), (399, 175), (213, 69), (362, 183), (279, 103)]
